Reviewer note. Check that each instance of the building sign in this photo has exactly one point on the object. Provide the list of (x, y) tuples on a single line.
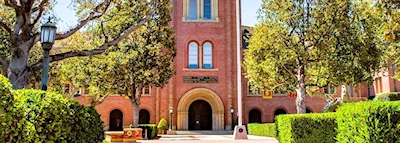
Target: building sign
[(200, 79), (267, 94)]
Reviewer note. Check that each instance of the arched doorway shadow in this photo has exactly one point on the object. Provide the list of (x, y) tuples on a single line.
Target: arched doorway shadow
[(255, 116), (200, 116), (279, 112), (308, 110), (116, 120), (144, 116)]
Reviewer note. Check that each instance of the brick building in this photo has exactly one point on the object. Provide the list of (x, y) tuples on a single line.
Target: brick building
[(203, 91)]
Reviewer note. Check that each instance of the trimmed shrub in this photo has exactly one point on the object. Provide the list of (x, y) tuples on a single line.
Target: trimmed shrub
[(163, 124), (151, 130), (268, 130), (391, 96), (6, 109), (39, 116), (85, 123), (369, 122), (43, 116), (306, 128)]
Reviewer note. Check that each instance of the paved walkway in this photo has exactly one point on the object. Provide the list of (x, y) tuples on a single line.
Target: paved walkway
[(208, 139)]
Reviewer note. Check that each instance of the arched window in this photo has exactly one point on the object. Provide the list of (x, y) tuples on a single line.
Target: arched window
[(255, 116), (193, 55), (192, 9), (116, 120), (207, 55), (207, 9), (144, 116)]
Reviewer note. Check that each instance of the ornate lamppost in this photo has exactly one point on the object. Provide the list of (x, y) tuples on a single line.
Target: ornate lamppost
[(232, 111), (48, 36), (170, 118)]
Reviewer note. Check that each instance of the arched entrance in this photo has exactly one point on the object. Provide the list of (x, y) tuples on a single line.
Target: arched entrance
[(206, 95), (144, 116), (278, 112), (255, 116), (308, 110), (200, 116), (116, 120)]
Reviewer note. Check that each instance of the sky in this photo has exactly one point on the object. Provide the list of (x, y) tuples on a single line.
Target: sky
[(67, 15)]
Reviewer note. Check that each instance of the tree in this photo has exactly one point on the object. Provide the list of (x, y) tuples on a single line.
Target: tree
[(143, 59), (20, 21), (304, 45)]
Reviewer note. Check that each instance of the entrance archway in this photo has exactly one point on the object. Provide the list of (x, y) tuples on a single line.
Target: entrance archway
[(278, 112), (144, 116), (116, 120), (217, 108), (255, 116), (200, 116)]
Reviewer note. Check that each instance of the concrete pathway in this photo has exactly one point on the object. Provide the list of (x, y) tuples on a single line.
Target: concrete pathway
[(208, 139)]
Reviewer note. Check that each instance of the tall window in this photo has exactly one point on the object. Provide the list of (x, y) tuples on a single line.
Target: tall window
[(146, 90), (207, 9), (192, 9), (193, 55), (207, 56)]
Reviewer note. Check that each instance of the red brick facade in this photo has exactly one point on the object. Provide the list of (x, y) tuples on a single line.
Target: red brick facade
[(221, 33)]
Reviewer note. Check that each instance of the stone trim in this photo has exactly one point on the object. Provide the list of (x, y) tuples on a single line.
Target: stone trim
[(207, 95)]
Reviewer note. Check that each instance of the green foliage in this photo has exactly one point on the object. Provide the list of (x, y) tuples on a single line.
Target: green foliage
[(6, 109), (305, 45), (152, 127), (38, 116), (391, 96), (268, 130), (163, 124), (371, 121), (306, 128), (85, 124)]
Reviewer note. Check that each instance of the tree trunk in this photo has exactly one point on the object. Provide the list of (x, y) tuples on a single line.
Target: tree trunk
[(18, 67), (135, 110), (301, 91), (135, 101)]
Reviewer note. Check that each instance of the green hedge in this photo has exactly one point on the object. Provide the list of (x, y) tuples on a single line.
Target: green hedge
[(268, 130), (6, 102), (153, 128), (163, 125), (369, 122), (391, 96), (39, 116), (306, 128)]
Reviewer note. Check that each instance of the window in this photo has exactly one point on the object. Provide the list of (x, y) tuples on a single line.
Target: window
[(146, 90), (192, 9), (378, 85), (193, 55), (200, 10), (207, 9), (207, 56)]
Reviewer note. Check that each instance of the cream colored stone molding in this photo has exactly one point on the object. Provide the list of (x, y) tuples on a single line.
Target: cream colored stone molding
[(201, 70), (201, 94)]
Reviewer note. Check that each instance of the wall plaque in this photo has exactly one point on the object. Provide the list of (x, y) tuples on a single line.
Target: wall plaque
[(200, 79)]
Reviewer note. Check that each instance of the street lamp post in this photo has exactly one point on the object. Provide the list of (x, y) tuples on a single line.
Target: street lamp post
[(170, 118), (232, 111), (48, 34)]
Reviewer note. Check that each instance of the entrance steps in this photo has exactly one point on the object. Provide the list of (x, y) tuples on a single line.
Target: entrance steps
[(204, 132)]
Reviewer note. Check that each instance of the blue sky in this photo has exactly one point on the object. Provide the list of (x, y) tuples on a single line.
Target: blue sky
[(68, 19)]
